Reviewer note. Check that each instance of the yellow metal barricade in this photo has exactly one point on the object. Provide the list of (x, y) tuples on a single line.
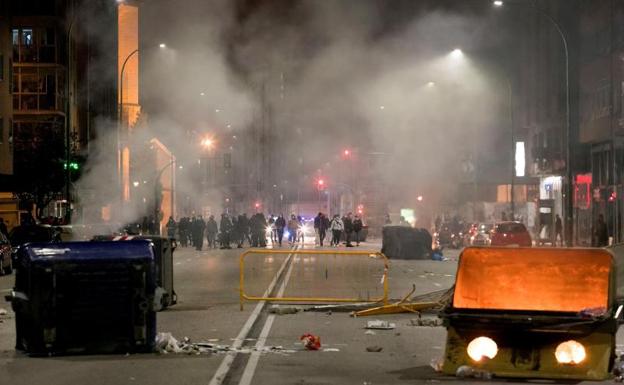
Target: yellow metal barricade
[(368, 254)]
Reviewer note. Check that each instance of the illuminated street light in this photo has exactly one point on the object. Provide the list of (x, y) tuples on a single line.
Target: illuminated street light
[(135, 183), (346, 152), (419, 198), (382, 107), (430, 84), (498, 3), (162, 45), (202, 93), (207, 142), (457, 53)]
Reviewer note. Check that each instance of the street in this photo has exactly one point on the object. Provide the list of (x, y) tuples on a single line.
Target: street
[(208, 311)]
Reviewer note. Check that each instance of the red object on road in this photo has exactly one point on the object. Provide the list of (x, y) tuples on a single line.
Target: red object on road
[(510, 234), (311, 342)]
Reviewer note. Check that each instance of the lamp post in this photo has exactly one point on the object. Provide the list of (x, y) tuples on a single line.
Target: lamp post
[(68, 119), (568, 203), (120, 124)]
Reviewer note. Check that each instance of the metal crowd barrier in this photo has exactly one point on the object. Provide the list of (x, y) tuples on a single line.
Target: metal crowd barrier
[(368, 254)]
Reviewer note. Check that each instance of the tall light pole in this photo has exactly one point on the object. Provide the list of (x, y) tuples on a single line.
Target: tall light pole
[(67, 130), (569, 190), (120, 124)]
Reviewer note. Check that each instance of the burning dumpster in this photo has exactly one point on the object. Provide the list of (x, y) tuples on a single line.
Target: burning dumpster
[(533, 313)]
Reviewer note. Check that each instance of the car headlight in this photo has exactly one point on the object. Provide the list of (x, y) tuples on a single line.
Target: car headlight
[(482, 347), (570, 352)]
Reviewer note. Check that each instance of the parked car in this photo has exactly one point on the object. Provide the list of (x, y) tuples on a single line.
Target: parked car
[(6, 262), (480, 234), (510, 234)]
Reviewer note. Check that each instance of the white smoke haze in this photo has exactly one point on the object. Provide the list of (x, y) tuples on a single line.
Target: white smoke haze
[(336, 75)]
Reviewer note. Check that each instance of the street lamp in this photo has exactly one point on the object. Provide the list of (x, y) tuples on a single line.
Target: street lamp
[(120, 115), (569, 187), (457, 53)]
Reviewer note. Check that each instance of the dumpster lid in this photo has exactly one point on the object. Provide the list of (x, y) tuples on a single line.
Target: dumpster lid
[(533, 279), (89, 250)]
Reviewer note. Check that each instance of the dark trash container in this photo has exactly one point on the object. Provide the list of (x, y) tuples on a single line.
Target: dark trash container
[(84, 297), (404, 242), (163, 257)]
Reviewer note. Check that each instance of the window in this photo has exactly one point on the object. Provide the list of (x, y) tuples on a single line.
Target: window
[(27, 37), (16, 37)]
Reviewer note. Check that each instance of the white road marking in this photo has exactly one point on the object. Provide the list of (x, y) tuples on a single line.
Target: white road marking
[(252, 363), (226, 364)]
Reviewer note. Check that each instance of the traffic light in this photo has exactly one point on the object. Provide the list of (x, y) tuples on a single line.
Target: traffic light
[(72, 166), (320, 184)]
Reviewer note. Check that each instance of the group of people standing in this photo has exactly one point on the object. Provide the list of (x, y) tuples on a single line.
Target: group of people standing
[(348, 225), (231, 230), (236, 230)]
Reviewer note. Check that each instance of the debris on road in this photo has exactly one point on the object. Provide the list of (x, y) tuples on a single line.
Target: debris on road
[(431, 322), (466, 371), (311, 342), (436, 364), (374, 349), (618, 369), (341, 308), (166, 343), (282, 310), (379, 324)]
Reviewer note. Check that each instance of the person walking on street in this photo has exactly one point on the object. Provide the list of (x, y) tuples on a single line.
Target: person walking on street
[(198, 233), (336, 226), (280, 224), (271, 226), (601, 234), (317, 224), (211, 232), (293, 228), (322, 228), (226, 228), (171, 227), (357, 228), (348, 229), (558, 230)]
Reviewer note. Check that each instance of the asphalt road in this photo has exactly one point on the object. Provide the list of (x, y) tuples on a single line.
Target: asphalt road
[(208, 311)]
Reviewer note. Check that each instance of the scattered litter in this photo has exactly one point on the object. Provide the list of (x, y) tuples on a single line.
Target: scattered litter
[(331, 350), (466, 371), (431, 322), (618, 369), (370, 332), (3, 311), (374, 349), (436, 364), (311, 342), (281, 310), (166, 343), (379, 324)]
